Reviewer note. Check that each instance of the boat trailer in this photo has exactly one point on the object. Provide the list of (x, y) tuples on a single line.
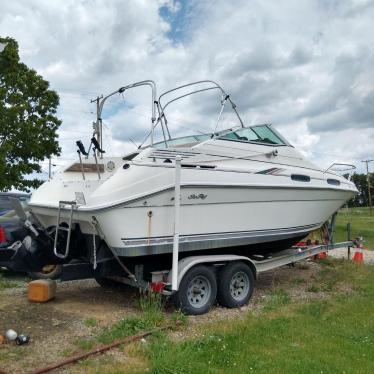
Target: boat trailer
[(194, 282)]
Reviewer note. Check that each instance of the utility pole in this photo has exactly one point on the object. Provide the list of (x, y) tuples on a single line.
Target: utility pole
[(368, 177), (49, 168)]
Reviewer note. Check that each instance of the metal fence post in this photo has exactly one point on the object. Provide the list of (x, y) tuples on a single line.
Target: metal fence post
[(349, 239), (177, 195)]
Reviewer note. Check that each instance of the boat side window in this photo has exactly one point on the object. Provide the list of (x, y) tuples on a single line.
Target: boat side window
[(259, 134), (300, 178), (334, 182)]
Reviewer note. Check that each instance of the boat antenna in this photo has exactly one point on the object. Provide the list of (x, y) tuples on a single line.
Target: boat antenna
[(132, 141), (98, 125), (224, 99)]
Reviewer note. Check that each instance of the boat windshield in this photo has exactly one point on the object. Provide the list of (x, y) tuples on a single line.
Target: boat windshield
[(184, 140), (259, 134)]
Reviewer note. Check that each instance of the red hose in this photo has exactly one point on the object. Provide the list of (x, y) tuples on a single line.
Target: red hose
[(98, 350)]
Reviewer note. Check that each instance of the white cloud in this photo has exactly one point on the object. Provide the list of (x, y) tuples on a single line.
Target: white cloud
[(305, 66)]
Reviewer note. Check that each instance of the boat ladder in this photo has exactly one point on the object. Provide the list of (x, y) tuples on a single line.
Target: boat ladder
[(62, 205)]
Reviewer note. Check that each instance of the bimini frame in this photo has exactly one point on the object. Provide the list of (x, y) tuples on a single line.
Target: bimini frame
[(159, 108), (98, 126), (213, 86)]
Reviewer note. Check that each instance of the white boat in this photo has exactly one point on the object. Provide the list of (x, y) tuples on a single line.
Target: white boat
[(243, 189)]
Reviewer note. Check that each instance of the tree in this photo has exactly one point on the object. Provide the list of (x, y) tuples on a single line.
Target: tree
[(362, 198), (28, 121)]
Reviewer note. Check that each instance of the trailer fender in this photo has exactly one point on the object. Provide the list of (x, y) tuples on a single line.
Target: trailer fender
[(188, 262)]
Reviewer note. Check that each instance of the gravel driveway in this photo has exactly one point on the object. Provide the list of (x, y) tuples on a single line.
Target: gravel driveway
[(343, 253)]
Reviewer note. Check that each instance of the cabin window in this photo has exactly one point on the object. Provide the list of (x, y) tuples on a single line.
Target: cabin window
[(258, 134), (188, 166), (300, 178), (334, 182), (207, 166)]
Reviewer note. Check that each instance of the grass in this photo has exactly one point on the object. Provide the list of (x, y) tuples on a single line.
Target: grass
[(5, 283), (329, 335), (90, 322), (276, 299), (362, 224), (150, 316), (13, 353), (123, 328), (331, 332), (130, 326), (150, 301), (329, 277)]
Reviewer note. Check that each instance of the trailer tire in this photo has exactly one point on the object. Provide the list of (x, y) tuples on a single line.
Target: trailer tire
[(197, 291), (235, 284), (47, 272)]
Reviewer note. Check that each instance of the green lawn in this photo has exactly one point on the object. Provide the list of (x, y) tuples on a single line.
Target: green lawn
[(362, 224), (331, 335)]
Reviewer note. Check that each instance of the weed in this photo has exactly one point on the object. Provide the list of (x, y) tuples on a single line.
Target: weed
[(329, 261), (67, 352), (147, 320), (149, 301), (85, 344), (303, 265), (313, 288), (333, 273), (298, 281), (87, 362), (131, 326), (276, 299), (179, 317), (329, 285), (4, 283), (90, 322), (10, 353), (314, 309)]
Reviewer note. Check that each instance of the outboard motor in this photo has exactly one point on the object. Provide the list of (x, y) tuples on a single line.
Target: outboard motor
[(35, 250), (31, 255)]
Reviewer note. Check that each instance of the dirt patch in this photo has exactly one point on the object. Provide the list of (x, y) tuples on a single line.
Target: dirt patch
[(54, 327), (82, 308)]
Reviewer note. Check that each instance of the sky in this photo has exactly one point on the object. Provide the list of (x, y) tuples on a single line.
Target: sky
[(305, 66)]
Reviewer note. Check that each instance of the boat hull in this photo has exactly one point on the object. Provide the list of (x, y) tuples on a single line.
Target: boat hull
[(261, 219)]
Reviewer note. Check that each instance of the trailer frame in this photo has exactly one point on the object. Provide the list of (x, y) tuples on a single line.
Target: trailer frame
[(195, 282)]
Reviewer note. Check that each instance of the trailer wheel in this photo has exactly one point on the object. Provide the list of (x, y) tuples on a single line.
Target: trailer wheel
[(235, 285), (47, 272), (197, 291)]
